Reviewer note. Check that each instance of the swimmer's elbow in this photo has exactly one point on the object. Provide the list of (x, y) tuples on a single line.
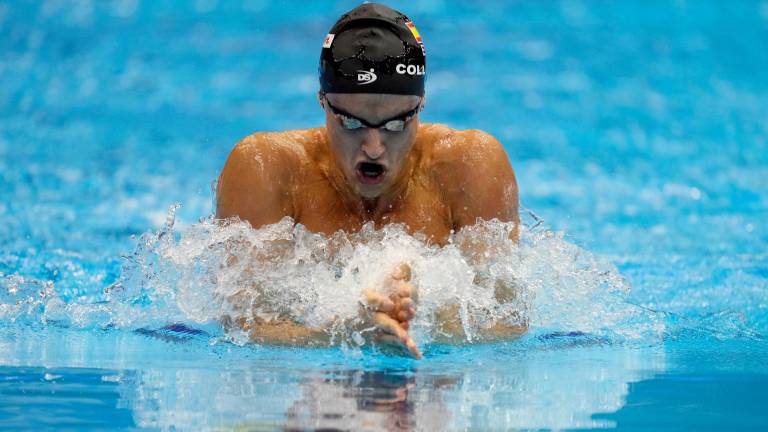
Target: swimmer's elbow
[(285, 333), (450, 328), (503, 331)]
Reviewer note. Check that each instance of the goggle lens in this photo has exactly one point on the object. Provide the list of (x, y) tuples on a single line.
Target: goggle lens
[(395, 125), (350, 123), (353, 123)]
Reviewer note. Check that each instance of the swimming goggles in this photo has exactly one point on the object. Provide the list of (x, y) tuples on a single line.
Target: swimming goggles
[(395, 124)]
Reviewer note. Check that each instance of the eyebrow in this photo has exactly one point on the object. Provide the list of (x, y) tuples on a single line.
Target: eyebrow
[(366, 123)]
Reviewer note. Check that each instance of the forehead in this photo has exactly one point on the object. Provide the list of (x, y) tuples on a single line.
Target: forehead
[(373, 107)]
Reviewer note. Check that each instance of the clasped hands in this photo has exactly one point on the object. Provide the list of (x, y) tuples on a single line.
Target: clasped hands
[(391, 314)]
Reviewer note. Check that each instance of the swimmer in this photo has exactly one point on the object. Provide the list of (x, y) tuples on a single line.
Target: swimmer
[(374, 161)]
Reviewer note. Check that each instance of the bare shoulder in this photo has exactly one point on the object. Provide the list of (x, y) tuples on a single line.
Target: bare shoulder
[(475, 156), (262, 147), (473, 172), (256, 181), (466, 148)]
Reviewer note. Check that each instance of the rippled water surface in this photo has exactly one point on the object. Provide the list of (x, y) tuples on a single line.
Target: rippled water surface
[(639, 135)]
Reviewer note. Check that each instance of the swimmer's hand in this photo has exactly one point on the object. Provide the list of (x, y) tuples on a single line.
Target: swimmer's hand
[(391, 315)]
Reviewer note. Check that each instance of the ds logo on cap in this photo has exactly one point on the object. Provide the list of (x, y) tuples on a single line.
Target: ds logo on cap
[(365, 77)]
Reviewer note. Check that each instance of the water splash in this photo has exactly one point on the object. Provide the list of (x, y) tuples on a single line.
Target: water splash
[(216, 269), (22, 298)]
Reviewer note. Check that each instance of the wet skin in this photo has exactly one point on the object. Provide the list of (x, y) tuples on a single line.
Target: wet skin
[(431, 178)]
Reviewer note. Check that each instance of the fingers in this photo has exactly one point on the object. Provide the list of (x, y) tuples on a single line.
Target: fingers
[(392, 328), (406, 310), (406, 315), (378, 301), (402, 272), (404, 290), (402, 294), (411, 345), (398, 304), (388, 325), (405, 307), (387, 339), (407, 303)]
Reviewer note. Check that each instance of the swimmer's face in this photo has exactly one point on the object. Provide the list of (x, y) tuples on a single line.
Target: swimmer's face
[(371, 158)]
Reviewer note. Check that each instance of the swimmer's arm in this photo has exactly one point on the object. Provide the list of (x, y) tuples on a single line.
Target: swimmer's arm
[(377, 313), (255, 183), (278, 330), (450, 330), (483, 186), (285, 332), (254, 186)]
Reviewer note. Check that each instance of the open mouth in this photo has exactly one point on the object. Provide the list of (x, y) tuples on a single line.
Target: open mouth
[(370, 172)]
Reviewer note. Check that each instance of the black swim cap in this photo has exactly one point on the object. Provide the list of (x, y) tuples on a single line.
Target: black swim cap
[(373, 49)]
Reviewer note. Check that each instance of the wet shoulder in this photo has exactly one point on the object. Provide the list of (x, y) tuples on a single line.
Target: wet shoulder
[(260, 174), (280, 149), (451, 151), (268, 161), (472, 172)]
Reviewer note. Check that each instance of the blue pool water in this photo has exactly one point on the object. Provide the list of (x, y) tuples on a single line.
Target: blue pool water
[(639, 134)]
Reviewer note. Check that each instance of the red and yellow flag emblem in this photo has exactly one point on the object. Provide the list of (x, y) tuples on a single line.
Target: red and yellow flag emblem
[(413, 30)]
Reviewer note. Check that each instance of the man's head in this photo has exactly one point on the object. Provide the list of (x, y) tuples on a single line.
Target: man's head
[(372, 71)]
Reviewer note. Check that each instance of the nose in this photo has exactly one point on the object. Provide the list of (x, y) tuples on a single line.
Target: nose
[(372, 145)]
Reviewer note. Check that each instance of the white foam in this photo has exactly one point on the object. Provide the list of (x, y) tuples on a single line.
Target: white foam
[(213, 269), (285, 270)]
